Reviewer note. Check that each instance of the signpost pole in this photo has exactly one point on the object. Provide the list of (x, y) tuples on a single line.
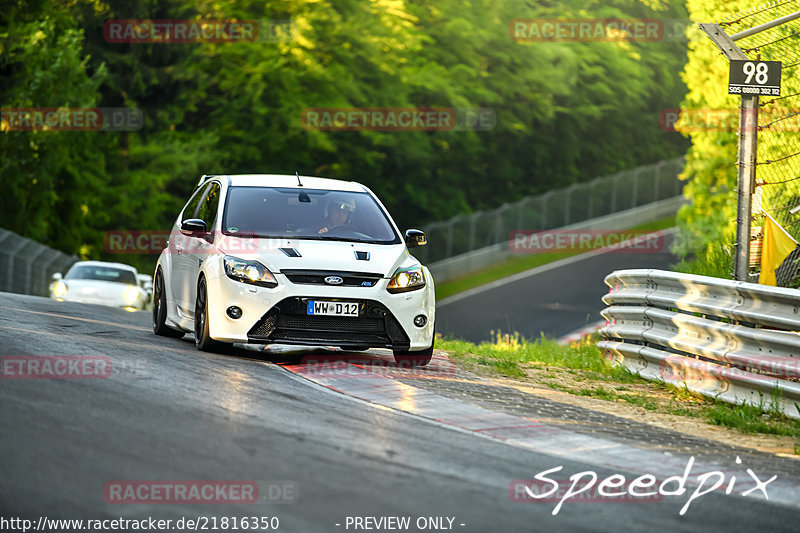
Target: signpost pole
[(748, 144)]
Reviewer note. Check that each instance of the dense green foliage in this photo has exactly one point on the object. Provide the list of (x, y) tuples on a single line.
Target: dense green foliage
[(566, 111)]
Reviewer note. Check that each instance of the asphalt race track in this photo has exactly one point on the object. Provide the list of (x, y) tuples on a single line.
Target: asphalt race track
[(555, 299), (167, 412)]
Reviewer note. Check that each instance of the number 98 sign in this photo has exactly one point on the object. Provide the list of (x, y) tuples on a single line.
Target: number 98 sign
[(755, 77)]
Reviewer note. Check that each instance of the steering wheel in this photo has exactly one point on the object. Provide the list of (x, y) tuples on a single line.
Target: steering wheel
[(348, 231)]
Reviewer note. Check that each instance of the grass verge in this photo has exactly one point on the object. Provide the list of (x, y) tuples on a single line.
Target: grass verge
[(581, 369), (523, 263)]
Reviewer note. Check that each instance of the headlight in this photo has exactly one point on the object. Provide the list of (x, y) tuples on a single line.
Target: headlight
[(59, 289), (251, 272), (131, 295), (406, 279)]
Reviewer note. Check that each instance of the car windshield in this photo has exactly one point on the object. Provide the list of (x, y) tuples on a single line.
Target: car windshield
[(306, 214), (102, 273)]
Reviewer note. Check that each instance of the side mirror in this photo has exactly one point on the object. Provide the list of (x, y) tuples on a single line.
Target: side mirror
[(57, 276), (193, 226), (415, 237)]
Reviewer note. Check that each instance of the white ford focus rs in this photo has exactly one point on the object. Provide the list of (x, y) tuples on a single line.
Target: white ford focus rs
[(293, 260)]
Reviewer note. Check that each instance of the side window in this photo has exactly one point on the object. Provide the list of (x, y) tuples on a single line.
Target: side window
[(208, 209), (191, 207)]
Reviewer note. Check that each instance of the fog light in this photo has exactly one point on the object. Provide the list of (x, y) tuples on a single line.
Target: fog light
[(234, 312), (420, 320)]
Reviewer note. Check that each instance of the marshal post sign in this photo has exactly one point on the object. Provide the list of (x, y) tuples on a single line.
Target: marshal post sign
[(755, 77)]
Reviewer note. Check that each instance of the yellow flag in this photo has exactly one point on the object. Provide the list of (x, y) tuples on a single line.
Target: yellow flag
[(777, 245)]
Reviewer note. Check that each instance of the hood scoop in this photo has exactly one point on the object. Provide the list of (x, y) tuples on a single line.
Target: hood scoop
[(291, 252), (362, 256)]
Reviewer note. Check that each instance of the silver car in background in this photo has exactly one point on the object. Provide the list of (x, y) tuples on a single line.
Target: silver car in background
[(99, 282)]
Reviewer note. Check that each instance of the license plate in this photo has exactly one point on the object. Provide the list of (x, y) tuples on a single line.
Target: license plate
[(316, 307)]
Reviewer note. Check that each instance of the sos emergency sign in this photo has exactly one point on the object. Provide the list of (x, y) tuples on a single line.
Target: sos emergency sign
[(755, 77)]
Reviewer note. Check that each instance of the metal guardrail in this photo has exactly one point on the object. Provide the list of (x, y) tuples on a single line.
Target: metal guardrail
[(554, 209), (481, 258), (26, 266), (711, 335)]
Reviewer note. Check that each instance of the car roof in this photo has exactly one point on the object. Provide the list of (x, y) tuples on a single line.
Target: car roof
[(290, 181), (106, 264)]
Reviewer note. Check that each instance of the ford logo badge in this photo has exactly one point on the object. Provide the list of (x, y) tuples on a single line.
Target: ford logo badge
[(334, 280)]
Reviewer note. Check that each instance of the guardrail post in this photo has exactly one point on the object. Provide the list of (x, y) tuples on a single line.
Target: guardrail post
[(10, 279), (449, 245), (29, 273), (657, 189), (568, 203), (635, 196), (45, 269), (614, 179), (545, 197), (473, 221)]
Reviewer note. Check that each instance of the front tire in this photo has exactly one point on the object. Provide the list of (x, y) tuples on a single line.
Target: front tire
[(202, 338), (160, 309)]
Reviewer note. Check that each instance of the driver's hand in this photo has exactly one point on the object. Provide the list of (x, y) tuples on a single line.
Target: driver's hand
[(323, 230)]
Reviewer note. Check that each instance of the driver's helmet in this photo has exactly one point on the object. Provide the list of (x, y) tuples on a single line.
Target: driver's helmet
[(347, 205)]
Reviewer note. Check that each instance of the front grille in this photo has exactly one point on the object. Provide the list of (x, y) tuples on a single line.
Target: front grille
[(288, 322), (317, 277), (266, 325), (332, 323)]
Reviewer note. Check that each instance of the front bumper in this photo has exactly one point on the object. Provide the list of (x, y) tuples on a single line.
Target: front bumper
[(278, 315), (287, 322)]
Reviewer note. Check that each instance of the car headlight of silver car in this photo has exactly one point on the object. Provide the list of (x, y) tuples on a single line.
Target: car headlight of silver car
[(59, 289), (131, 295), (251, 272), (407, 279)]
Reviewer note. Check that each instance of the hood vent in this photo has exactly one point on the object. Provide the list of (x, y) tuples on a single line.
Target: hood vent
[(291, 252), (362, 256)]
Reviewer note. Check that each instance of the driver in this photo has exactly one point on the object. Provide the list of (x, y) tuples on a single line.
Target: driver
[(338, 213)]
